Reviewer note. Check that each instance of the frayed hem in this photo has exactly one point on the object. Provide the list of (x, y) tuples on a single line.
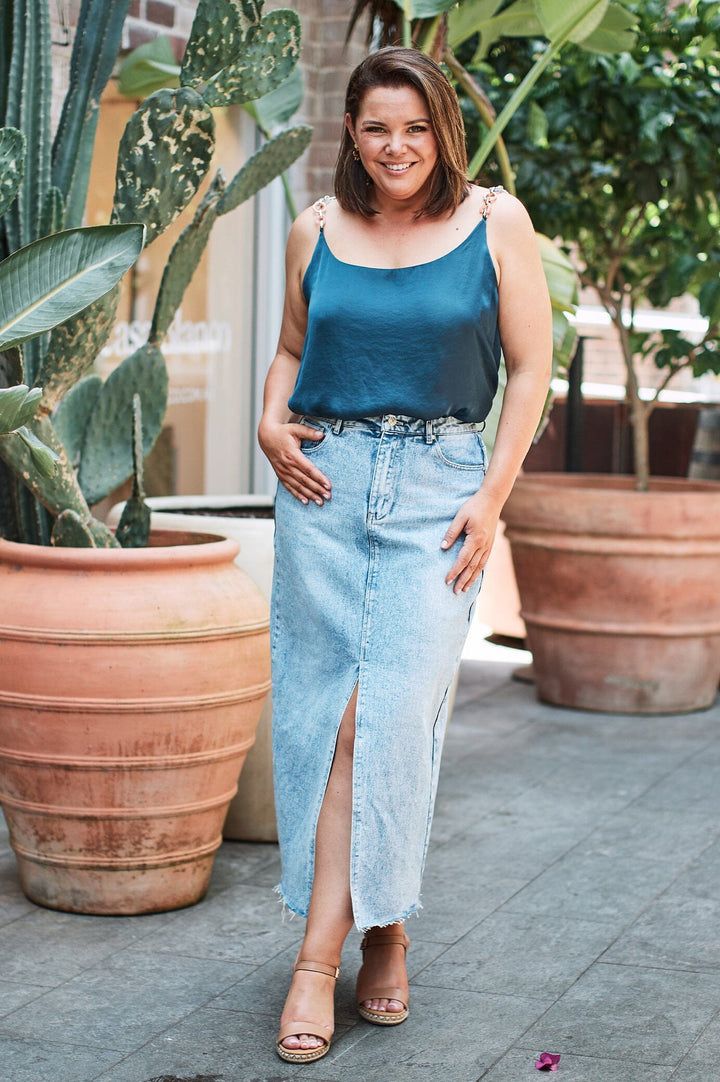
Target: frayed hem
[(414, 911), (289, 911)]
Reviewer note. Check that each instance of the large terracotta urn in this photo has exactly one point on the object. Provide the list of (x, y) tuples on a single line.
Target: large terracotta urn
[(620, 590), (131, 683)]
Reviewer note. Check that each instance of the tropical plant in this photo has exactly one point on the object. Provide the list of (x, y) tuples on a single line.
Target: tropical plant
[(152, 67), (235, 54), (620, 156)]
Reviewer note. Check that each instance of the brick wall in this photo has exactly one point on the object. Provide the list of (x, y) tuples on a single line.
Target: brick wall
[(326, 65)]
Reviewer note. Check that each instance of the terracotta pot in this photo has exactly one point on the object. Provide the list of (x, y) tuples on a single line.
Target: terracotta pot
[(620, 590), (131, 682), (249, 520)]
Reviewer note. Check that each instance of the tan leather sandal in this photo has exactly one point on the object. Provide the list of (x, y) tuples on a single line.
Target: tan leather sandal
[(314, 1029), (367, 989)]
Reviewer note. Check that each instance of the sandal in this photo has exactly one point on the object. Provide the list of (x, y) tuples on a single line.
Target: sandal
[(381, 937), (315, 1029)]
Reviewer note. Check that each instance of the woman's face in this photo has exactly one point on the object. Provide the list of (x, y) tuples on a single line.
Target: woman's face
[(395, 140)]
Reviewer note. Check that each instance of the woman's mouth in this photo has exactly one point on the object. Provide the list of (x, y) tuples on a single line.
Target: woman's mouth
[(401, 167)]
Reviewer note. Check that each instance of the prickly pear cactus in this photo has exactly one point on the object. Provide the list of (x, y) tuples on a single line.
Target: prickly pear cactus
[(235, 54), (165, 152), (71, 531), (106, 456), (134, 526)]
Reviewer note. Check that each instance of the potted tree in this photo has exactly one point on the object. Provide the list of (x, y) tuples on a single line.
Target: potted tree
[(131, 678), (618, 155)]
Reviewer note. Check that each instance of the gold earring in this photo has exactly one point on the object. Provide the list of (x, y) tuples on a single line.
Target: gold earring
[(356, 152)]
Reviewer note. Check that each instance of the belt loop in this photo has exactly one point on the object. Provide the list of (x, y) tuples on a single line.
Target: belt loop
[(338, 426), (429, 432)]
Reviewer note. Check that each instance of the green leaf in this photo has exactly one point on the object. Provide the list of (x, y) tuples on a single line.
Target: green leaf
[(12, 400), (43, 457), (709, 299), (615, 34), (427, 9), (267, 163), (479, 17), (275, 109), (12, 165), (55, 277), (537, 125), (165, 152), (560, 274), (573, 19), (148, 68)]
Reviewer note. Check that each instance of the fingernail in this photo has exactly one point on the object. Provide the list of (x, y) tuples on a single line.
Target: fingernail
[(319, 502), (444, 544)]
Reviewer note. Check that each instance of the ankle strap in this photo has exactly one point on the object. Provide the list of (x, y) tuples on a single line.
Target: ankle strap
[(380, 939), (317, 967)]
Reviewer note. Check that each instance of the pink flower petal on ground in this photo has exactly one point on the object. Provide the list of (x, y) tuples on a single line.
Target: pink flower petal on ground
[(548, 1061)]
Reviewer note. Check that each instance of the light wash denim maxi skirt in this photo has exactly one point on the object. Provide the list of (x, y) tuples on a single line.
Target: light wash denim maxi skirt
[(359, 597)]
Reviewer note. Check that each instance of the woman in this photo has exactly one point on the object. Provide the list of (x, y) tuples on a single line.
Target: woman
[(399, 293)]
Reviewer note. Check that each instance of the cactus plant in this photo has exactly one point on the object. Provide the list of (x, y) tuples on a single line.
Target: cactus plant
[(235, 54)]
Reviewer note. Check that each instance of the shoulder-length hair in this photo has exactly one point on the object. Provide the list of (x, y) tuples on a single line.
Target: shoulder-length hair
[(397, 66)]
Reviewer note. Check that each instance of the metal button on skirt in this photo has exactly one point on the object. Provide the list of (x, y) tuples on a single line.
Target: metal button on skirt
[(359, 598)]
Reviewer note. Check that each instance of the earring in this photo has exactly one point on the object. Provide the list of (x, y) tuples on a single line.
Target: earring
[(356, 152)]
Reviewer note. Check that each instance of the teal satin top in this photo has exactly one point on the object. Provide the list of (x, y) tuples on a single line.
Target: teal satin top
[(421, 341)]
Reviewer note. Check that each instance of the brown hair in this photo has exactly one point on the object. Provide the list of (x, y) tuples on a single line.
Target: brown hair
[(397, 66)]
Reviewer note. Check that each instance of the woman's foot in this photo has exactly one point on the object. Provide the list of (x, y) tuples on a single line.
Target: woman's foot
[(307, 1022), (382, 985)]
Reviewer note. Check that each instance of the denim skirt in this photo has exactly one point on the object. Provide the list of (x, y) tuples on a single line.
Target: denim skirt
[(359, 598)]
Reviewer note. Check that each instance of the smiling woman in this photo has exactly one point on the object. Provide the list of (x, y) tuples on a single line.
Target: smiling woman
[(401, 292)]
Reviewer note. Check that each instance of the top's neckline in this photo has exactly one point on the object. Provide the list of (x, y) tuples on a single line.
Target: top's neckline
[(409, 266)]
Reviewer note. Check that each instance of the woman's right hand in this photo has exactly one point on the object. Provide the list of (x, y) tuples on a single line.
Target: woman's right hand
[(281, 444)]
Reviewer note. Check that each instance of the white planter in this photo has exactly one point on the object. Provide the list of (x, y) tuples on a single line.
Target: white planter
[(251, 816)]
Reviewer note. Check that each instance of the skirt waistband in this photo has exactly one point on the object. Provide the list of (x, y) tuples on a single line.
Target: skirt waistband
[(399, 425)]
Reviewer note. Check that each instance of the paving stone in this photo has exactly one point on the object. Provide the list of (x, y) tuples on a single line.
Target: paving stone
[(225, 1045), (656, 834), (678, 932), (242, 924), (242, 862), (455, 896), (123, 1002), (46, 1061), (457, 1031), (519, 1066), (14, 994), (508, 954), (701, 1062), (693, 784), (649, 1015), (592, 885), (48, 947)]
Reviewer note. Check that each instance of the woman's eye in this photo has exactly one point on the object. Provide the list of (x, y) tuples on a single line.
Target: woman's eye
[(416, 128)]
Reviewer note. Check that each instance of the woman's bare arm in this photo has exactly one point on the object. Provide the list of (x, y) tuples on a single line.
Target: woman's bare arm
[(525, 322), (278, 434)]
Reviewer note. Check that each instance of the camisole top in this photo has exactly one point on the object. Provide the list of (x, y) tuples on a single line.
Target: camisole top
[(420, 341)]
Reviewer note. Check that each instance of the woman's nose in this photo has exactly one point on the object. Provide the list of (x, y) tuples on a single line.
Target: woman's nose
[(394, 143)]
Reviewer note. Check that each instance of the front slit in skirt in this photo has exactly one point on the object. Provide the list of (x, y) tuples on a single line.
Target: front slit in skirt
[(359, 597)]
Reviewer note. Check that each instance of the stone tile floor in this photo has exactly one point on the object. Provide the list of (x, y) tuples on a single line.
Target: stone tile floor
[(571, 905)]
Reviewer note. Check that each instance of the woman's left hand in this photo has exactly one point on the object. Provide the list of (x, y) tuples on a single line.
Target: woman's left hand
[(477, 519)]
